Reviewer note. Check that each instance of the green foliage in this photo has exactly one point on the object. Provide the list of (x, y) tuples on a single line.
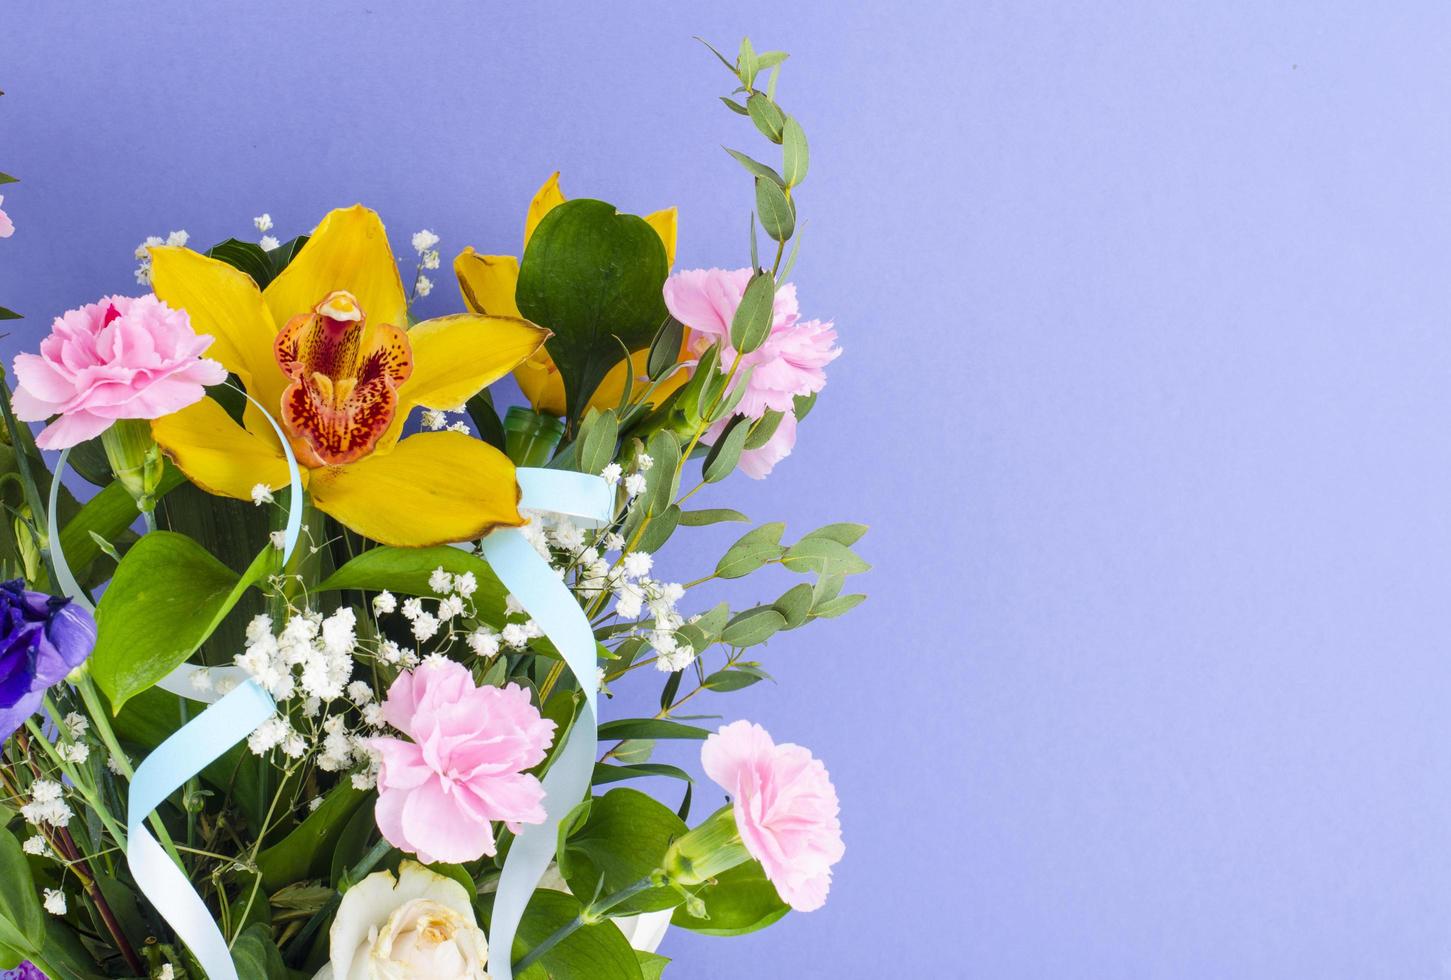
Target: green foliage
[(166, 598), (653, 728), (752, 551), (593, 276), (250, 257), (702, 518), (22, 920), (751, 324), (307, 851), (256, 957), (622, 840), (593, 952), (738, 901), (406, 571), (599, 437)]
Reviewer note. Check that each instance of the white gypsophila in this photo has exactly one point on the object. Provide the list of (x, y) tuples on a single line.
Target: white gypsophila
[(278, 539), (629, 600), (532, 629), (440, 581), (663, 641), (373, 715), (390, 652), (512, 606), (261, 494), (683, 656), (515, 636), (431, 259), (36, 845), (113, 764), (614, 541), (268, 243), (424, 285), (364, 780), (450, 607), (339, 632), (75, 753), (263, 222), (483, 641), (434, 420), (384, 602), (360, 692), (465, 584), (47, 804), (637, 564), (644, 461), (412, 608), (167, 972), (267, 736), (635, 484), (425, 626), (55, 901), (313, 804), (178, 239), (258, 627), (567, 535), (294, 746), (77, 724), (459, 426), (424, 240), (612, 473)]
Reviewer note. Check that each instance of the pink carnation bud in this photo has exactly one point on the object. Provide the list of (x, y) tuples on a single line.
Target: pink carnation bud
[(785, 808), (121, 358), (462, 766)]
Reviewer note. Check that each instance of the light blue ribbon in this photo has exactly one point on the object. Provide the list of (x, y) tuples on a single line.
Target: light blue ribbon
[(554, 608)]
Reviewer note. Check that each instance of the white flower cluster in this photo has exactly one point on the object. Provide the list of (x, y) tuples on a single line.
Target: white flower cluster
[(424, 243), (436, 421), (264, 225), (47, 806), (143, 254)]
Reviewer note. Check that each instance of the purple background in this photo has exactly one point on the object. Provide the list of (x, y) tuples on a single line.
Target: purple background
[(1145, 394)]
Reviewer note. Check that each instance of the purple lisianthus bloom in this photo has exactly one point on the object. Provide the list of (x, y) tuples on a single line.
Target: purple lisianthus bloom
[(42, 639), (25, 971)]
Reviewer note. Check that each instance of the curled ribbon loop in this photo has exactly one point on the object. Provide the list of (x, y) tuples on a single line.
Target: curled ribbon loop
[(539, 590)]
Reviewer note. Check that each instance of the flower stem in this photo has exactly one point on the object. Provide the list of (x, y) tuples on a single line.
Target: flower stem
[(298, 946), (588, 915)]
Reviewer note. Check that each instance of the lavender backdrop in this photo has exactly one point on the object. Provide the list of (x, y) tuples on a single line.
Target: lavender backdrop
[(1145, 393)]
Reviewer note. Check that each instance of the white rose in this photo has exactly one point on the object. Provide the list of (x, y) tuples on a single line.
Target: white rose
[(419, 927)]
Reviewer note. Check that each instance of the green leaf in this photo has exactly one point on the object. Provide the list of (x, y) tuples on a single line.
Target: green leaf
[(795, 604), (764, 428), (486, 420), (725, 453), (823, 555), (716, 515), (739, 901), (591, 275), (407, 570), (658, 531), (7, 179), (307, 851), (605, 773), (281, 256), (649, 728), (731, 680), (756, 167), (844, 533), (166, 598), (250, 257), (734, 106), (652, 965), (796, 156), (754, 549), (723, 59), (837, 605), (665, 348), (256, 957), (802, 405), (662, 480), (6, 314), (593, 952), (623, 840), (767, 116), (598, 438), (778, 217), (107, 515), (770, 59), (751, 324), (753, 626), (747, 65), (22, 920)]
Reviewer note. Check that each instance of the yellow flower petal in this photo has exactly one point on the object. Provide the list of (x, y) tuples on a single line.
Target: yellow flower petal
[(488, 282), (226, 304), (541, 383), (433, 488), (348, 250), (219, 455), (664, 223), (456, 357), (546, 199)]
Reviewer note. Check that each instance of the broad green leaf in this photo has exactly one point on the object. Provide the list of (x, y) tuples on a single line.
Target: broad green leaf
[(250, 257), (837, 605), (756, 167), (844, 533), (649, 728), (823, 555), (751, 324), (794, 151), (166, 598), (605, 773), (754, 549), (767, 116), (802, 405), (752, 626), (8, 314), (486, 420), (22, 920), (725, 454), (407, 570), (665, 348), (307, 851), (594, 277), (741, 900), (7, 179), (281, 256), (731, 680), (593, 952), (598, 437), (357, 837), (717, 515), (795, 604), (256, 957), (658, 531), (770, 59), (662, 480), (778, 217), (764, 428), (747, 65), (623, 840), (652, 965), (734, 106), (106, 515)]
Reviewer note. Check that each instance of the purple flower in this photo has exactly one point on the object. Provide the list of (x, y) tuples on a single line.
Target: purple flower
[(42, 639), (25, 971)]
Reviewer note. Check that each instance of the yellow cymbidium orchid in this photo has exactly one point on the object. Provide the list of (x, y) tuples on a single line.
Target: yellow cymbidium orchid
[(325, 348), (488, 283)]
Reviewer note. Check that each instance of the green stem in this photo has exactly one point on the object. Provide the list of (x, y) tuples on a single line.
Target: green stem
[(298, 946), (588, 915)]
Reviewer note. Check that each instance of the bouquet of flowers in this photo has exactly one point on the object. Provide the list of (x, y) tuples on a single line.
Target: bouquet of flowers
[(308, 685)]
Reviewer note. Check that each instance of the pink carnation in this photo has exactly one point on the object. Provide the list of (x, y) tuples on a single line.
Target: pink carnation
[(792, 361), (7, 227), (121, 358), (464, 766), (785, 809)]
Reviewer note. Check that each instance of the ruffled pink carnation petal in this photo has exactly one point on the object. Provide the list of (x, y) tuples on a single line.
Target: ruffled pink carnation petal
[(7, 227), (121, 358), (785, 807), (463, 765)]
